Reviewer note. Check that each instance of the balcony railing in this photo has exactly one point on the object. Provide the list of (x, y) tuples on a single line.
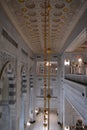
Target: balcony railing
[(82, 79)]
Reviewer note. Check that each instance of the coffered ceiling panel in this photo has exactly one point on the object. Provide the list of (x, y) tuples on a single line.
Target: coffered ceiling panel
[(29, 16)]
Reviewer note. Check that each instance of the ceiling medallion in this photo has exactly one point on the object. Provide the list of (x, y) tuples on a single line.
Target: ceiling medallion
[(30, 5), (68, 1), (27, 23), (35, 30), (24, 10), (33, 20), (63, 17), (19, 13), (36, 33), (62, 23), (21, 1), (31, 13), (26, 16), (60, 5), (65, 9), (57, 14), (56, 20)]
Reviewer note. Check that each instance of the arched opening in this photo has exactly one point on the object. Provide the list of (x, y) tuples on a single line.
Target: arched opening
[(8, 92)]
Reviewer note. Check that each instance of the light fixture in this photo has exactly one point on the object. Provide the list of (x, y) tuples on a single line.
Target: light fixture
[(47, 65), (36, 111), (56, 68), (66, 128), (28, 123), (67, 62), (80, 60)]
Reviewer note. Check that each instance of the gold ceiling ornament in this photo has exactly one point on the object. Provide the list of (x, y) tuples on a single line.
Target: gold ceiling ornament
[(54, 30), (56, 20), (58, 31), (24, 9), (60, 5), (26, 16), (30, 5), (55, 26), (33, 20), (27, 23), (49, 7), (35, 26), (65, 9), (49, 51), (31, 13), (68, 1), (36, 29), (57, 14), (62, 23), (21, 1), (63, 17), (19, 13)]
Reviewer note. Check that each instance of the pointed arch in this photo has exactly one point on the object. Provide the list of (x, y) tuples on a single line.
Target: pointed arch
[(3, 68)]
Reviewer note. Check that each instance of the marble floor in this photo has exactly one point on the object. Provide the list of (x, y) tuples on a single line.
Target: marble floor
[(39, 122)]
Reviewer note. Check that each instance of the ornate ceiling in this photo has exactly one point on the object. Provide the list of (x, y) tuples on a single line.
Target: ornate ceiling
[(29, 17)]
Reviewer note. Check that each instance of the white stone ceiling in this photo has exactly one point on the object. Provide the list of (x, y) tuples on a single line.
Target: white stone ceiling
[(29, 18)]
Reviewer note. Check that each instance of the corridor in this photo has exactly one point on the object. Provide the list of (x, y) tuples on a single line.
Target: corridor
[(43, 64), (39, 125)]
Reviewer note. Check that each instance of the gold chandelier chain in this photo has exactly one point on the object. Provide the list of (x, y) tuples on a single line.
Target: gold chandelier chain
[(45, 56)]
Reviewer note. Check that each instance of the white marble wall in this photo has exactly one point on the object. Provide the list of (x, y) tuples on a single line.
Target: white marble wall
[(73, 94), (21, 59)]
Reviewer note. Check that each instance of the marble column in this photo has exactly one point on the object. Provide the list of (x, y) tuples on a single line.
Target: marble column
[(12, 117), (12, 99), (32, 109), (5, 111), (59, 76), (63, 107), (1, 84), (18, 99), (22, 113)]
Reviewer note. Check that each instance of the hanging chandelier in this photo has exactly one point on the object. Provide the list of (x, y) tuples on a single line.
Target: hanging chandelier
[(47, 66)]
